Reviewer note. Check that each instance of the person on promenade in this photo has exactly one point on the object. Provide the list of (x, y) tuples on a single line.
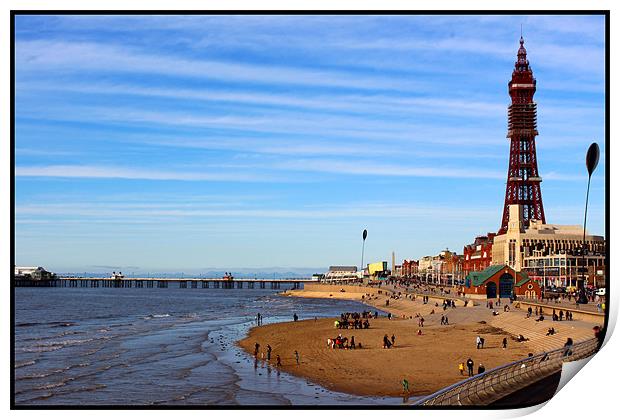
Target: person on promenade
[(295, 317), (256, 347), (405, 386), (268, 352), (481, 368), (561, 315), (278, 360), (462, 368), (470, 367), (529, 312), (297, 356), (504, 343), (568, 347)]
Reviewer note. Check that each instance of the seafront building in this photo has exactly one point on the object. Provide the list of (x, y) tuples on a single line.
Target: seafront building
[(409, 269), (500, 281), (477, 255), (342, 273), (444, 268), (33, 273), (556, 247)]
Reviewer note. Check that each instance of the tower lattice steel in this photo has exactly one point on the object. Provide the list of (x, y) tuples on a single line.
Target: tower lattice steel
[(523, 185)]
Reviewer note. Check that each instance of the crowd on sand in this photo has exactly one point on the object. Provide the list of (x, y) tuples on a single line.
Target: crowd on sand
[(362, 320)]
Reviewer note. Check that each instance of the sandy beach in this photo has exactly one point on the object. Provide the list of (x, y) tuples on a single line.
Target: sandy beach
[(429, 361)]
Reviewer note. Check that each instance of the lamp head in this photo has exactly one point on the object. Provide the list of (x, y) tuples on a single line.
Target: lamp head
[(592, 158)]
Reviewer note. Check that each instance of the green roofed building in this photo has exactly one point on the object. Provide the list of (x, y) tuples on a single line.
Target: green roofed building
[(500, 281)]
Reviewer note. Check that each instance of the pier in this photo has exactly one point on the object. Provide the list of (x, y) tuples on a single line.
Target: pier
[(165, 283)]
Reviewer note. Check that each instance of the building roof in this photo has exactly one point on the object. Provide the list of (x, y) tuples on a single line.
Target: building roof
[(524, 278), (341, 268), (479, 277)]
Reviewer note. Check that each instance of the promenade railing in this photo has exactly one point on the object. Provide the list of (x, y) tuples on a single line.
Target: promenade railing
[(488, 387)]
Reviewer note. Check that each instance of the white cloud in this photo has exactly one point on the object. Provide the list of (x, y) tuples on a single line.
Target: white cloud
[(110, 172)]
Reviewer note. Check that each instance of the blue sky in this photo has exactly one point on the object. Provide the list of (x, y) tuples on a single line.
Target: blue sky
[(180, 143)]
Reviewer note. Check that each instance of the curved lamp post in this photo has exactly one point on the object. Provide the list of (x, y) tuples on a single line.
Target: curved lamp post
[(591, 162), (364, 235)]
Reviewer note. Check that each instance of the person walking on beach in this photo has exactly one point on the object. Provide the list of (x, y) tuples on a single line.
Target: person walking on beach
[(393, 339), (278, 360), (504, 343), (352, 343), (386, 342), (478, 342), (268, 352), (462, 368), (256, 347), (295, 317), (405, 386), (297, 356), (470, 367)]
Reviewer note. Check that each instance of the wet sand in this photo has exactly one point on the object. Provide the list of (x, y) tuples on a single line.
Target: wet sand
[(428, 361)]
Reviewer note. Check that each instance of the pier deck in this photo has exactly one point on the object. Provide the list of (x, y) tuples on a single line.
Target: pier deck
[(164, 283)]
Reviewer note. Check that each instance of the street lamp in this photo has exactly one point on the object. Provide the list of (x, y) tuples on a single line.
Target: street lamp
[(591, 162), (364, 235)]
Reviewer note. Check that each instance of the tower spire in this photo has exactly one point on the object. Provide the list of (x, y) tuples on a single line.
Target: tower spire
[(523, 184)]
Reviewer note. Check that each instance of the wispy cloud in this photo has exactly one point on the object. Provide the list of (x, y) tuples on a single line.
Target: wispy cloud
[(73, 57), (111, 172)]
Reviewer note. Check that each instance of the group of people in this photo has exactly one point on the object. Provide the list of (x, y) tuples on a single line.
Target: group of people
[(341, 342), (470, 367), (268, 354), (355, 320), (561, 315), (387, 342), (448, 303)]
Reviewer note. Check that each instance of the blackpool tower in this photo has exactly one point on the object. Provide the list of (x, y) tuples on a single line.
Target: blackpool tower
[(523, 184)]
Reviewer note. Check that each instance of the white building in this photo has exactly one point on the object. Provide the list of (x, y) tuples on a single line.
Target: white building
[(35, 273), (525, 248)]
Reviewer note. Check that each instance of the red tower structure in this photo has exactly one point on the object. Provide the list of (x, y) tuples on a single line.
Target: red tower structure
[(523, 185)]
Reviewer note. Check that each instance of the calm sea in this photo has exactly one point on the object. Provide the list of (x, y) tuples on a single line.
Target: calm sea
[(171, 346)]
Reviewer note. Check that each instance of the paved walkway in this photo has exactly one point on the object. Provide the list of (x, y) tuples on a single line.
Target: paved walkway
[(513, 322)]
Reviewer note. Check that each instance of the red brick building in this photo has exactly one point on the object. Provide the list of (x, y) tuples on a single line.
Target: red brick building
[(477, 256), (409, 268), (500, 281)]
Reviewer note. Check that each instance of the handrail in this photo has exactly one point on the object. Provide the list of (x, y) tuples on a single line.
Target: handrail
[(487, 387)]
